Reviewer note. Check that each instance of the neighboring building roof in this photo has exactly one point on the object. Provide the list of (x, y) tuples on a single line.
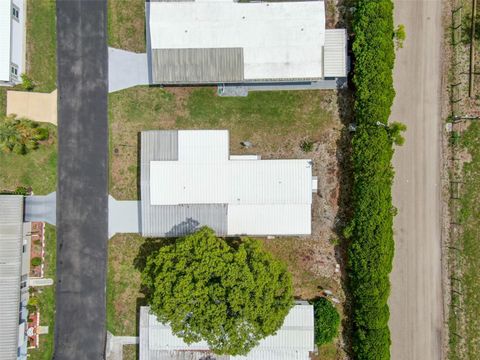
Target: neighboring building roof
[(223, 40), (293, 341), (335, 56), (5, 35), (196, 179), (11, 240)]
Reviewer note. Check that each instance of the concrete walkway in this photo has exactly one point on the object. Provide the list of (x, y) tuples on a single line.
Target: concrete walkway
[(126, 69), (123, 216), (33, 105), (244, 89), (40, 281), (41, 208), (114, 347)]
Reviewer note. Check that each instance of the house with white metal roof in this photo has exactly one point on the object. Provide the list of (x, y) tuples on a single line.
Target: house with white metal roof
[(13, 290), (12, 41), (293, 341), (226, 41), (189, 180)]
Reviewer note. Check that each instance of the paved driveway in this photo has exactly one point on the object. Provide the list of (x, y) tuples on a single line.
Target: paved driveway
[(416, 302), (82, 194)]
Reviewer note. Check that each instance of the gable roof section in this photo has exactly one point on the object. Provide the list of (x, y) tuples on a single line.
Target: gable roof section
[(11, 238), (5, 35)]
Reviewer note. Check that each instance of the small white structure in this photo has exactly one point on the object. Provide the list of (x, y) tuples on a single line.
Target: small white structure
[(225, 41), (12, 41), (189, 180), (293, 341)]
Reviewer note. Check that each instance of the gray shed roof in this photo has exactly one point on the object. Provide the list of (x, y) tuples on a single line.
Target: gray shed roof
[(172, 220), (189, 66), (11, 238)]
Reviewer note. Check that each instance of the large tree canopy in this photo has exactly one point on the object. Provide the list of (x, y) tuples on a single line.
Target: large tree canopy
[(229, 296)]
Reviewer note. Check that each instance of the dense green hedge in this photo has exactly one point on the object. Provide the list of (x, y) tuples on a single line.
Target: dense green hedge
[(370, 232)]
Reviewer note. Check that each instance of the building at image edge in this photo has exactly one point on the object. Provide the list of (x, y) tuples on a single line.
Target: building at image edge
[(293, 341), (230, 42)]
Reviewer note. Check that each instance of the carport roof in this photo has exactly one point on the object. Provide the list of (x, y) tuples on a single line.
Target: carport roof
[(11, 238)]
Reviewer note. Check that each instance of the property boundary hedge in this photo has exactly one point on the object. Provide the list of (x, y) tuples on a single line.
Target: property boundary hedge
[(371, 244)]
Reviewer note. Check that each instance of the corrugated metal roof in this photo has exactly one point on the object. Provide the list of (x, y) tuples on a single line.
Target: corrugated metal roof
[(278, 219), (293, 341), (280, 40), (203, 182), (11, 239), (192, 66), (167, 220), (5, 35), (335, 53)]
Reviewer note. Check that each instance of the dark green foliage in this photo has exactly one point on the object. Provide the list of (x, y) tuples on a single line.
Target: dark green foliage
[(27, 82), (307, 146), (20, 135), (229, 296), (371, 236), (36, 261), (327, 321)]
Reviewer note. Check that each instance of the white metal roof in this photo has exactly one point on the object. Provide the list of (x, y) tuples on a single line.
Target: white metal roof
[(11, 239), (5, 34), (335, 57), (280, 40), (264, 197), (293, 341)]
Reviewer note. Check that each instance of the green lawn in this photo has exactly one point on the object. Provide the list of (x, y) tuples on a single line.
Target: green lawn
[(465, 308), (41, 44), (123, 285), (3, 101), (275, 122), (126, 24), (46, 300)]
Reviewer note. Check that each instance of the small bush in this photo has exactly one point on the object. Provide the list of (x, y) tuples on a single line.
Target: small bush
[(327, 321), (400, 35), (36, 261), (27, 82), (307, 146)]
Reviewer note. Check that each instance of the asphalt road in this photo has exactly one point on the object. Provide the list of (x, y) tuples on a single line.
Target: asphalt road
[(416, 305), (82, 200)]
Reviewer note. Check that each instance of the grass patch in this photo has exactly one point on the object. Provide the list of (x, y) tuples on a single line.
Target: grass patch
[(126, 25), (275, 122), (464, 323), (37, 169), (123, 285), (3, 101), (46, 299), (130, 352), (297, 253), (41, 44)]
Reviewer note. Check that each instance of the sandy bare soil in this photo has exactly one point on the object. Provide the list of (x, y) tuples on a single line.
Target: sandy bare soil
[(416, 303)]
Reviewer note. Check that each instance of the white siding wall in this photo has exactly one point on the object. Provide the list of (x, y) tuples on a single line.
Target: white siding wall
[(5, 31), (18, 38)]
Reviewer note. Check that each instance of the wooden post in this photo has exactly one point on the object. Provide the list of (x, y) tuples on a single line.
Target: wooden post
[(472, 49)]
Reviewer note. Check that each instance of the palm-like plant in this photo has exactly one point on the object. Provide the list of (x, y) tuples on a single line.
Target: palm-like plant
[(20, 135)]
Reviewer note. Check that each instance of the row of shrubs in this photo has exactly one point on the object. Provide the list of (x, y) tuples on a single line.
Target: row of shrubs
[(370, 233)]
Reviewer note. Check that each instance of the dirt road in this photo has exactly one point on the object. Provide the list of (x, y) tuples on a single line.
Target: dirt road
[(416, 301)]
